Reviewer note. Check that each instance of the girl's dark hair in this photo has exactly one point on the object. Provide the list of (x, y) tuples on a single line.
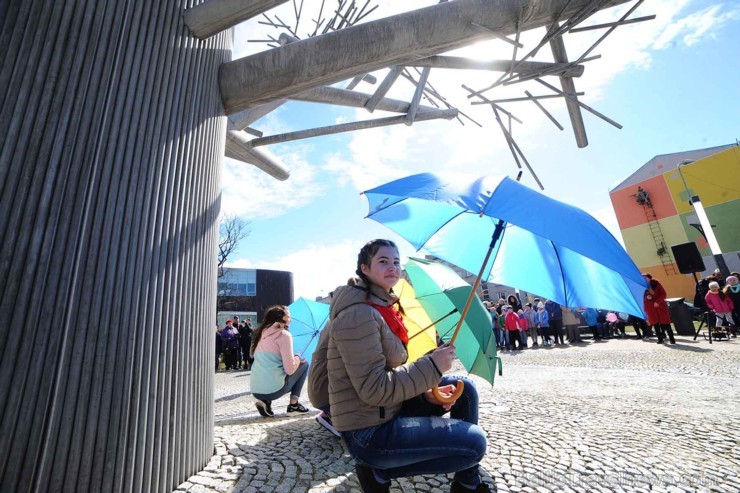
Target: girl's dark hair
[(273, 314)]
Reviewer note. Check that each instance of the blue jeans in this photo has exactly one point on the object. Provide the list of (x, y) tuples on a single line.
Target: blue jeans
[(504, 338), (293, 384), (419, 441)]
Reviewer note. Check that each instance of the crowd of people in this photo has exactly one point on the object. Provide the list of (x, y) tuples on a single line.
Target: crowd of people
[(518, 325), (232, 344)]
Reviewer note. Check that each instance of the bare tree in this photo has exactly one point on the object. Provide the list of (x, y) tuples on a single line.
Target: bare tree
[(231, 231)]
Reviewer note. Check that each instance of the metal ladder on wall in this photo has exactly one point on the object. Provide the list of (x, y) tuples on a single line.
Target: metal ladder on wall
[(652, 219)]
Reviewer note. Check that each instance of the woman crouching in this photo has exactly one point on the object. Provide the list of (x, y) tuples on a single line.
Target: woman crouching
[(384, 406)]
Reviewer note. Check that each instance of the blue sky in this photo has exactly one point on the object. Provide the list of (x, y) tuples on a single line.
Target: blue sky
[(673, 83)]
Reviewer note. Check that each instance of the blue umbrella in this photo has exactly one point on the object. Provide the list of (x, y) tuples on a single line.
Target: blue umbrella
[(536, 243), (309, 318)]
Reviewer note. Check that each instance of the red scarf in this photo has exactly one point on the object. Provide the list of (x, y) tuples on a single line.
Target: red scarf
[(394, 320)]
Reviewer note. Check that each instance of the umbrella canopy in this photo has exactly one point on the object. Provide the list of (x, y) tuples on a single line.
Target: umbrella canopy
[(439, 290), (422, 333), (547, 247), (309, 318)]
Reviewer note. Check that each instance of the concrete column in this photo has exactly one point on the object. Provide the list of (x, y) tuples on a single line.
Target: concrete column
[(111, 144)]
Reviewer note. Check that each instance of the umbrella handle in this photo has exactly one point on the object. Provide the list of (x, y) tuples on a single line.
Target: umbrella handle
[(455, 395)]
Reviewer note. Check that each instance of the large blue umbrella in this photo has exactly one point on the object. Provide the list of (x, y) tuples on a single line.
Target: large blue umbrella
[(537, 243), (309, 318)]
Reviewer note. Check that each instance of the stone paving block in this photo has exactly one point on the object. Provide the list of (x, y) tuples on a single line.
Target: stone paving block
[(204, 481), (225, 486), (198, 488), (184, 486)]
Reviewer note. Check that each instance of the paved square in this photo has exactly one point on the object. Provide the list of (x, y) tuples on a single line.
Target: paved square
[(621, 415)]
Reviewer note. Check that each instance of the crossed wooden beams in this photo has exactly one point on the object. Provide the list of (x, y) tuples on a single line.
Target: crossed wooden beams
[(339, 49)]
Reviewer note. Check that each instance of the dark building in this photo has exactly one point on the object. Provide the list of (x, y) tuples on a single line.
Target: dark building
[(249, 292)]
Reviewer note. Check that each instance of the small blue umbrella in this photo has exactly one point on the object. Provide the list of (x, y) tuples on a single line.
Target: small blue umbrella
[(535, 243), (308, 320)]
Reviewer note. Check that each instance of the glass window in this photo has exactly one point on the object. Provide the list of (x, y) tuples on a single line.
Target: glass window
[(238, 282)]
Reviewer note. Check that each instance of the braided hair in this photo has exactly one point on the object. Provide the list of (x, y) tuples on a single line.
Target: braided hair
[(273, 314)]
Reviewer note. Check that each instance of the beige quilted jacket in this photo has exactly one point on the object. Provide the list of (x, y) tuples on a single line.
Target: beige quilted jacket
[(360, 365)]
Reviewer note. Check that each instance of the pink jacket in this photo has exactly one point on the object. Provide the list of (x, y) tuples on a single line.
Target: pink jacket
[(279, 343), (717, 304)]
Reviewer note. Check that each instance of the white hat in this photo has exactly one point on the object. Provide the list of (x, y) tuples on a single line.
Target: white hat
[(713, 285)]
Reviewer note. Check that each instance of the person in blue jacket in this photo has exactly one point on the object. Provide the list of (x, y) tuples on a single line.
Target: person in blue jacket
[(555, 314), (543, 323), (590, 315)]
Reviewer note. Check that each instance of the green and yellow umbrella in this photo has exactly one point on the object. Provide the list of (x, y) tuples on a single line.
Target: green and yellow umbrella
[(422, 332), (440, 290)]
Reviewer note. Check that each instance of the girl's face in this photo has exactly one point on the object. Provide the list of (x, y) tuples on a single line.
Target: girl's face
[(384, 269), (713, 289), (732, 281)]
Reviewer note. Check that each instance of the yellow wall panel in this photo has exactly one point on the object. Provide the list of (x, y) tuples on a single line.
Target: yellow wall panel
[(640, 244), (716, 179)]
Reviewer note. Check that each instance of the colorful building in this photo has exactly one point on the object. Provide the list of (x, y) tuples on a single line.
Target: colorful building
[(654, 214)]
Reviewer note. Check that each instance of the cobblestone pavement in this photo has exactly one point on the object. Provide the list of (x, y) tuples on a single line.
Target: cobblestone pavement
[(622, 415)]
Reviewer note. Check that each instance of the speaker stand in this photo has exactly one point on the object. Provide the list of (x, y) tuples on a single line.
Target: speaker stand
[(703, 321)]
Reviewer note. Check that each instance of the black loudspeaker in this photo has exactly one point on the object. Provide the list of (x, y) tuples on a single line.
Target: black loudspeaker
[(688, 258)]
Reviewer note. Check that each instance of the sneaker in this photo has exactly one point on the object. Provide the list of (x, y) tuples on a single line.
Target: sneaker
[(368, 482), (264, 408), (325, 420), (459, 488), (296, 408)]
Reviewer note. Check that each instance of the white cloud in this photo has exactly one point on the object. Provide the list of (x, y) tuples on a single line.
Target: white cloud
[(250, 193), (317, 269), (693, 28)]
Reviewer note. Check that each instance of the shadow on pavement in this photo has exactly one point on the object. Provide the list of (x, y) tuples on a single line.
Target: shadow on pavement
[(232, 397)]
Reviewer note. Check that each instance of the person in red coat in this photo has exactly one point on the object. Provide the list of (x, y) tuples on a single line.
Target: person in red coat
[(656, 308)]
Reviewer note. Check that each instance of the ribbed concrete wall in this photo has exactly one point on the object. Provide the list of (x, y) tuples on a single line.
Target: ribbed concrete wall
[(111, 137)]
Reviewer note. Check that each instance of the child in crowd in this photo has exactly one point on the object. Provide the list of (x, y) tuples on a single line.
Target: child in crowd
[(505, 339), (530, 314), (523, 328), (511, 323), (722, 305), (543, 323), (732, 289)]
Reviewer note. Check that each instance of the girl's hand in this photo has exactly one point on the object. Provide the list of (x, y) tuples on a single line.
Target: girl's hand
[(443, 357), (446, 391)]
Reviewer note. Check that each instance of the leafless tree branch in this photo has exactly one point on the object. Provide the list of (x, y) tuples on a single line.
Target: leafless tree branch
[(231, 231)]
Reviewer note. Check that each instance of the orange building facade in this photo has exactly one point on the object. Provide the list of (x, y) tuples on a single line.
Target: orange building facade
[(654, 214)]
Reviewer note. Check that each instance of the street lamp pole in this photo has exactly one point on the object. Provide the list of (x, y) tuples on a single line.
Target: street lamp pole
[(705, 224)]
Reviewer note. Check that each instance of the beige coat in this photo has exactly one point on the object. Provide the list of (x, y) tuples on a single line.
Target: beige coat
[(359, 365)]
